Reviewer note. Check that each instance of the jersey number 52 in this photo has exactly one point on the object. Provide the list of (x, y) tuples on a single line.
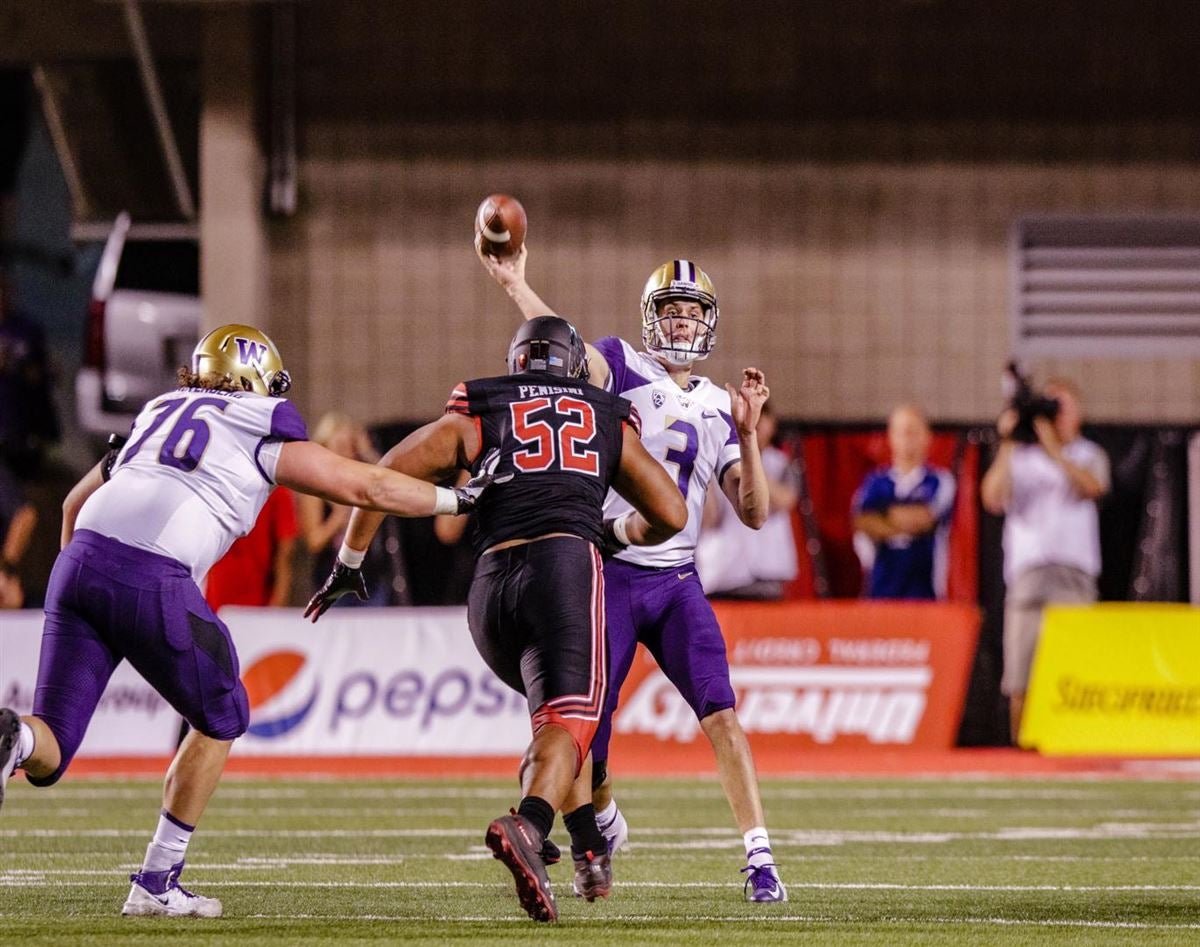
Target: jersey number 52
[(554, 432)]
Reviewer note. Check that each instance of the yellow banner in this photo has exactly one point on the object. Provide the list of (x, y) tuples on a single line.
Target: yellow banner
[(1116, 679)]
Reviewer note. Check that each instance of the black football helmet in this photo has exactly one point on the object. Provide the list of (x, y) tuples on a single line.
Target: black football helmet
[(548, 344)]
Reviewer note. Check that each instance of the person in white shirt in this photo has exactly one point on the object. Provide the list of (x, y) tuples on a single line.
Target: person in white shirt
[(1047, 492)]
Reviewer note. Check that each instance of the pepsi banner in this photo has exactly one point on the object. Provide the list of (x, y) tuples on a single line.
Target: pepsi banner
[(132, 720), (409, 683), (371, 682)]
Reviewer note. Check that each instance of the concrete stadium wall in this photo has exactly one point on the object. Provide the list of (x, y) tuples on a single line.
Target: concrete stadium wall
[(852, 284)]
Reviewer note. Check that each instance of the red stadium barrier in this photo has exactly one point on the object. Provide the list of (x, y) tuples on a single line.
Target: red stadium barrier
[(864, 676)]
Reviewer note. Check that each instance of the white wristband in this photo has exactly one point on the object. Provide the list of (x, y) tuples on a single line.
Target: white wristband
[(445, 502), (353, 558), (619, 529)]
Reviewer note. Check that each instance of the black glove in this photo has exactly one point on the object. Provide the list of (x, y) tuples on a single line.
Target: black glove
[(115, 443), (468, 494), (342, 581)]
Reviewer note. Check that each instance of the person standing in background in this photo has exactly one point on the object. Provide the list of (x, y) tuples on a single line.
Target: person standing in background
[(257, 569), (1047, 492), (902, 515)]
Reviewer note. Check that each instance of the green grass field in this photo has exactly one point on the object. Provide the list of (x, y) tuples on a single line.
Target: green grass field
[(916, 861)]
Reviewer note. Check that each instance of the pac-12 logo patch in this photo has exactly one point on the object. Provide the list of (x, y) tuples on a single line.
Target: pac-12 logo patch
[(249, 351), (658, 398), (282, 689)]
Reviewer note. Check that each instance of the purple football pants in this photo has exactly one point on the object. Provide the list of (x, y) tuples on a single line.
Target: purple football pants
[(664, 609), (106, 602)]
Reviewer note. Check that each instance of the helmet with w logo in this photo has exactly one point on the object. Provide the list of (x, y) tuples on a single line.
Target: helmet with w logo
[(246, 356)]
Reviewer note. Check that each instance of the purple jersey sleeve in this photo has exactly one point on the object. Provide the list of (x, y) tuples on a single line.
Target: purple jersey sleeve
[(286, 423), (614, 353)]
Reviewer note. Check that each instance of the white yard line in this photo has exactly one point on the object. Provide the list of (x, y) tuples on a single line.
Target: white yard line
[(671, 920), (710, 838), (31, 877)]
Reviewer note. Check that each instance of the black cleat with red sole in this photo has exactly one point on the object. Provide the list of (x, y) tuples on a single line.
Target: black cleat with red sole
[(519, 846), (593, 876)]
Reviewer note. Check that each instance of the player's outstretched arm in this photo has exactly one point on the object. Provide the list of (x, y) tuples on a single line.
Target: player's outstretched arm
[(509, 272), (432, 452), (745, 483), (644, 482), (310, 468)]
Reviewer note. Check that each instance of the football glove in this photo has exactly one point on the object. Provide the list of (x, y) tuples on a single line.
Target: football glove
[(109, 460), (468, 494), (342, 581)]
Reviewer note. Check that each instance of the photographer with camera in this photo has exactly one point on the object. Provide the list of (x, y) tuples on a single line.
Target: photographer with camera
[(1045, 480)]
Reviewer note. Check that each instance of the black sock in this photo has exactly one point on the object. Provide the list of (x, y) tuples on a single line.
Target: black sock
[(585, 835), (538, 812)]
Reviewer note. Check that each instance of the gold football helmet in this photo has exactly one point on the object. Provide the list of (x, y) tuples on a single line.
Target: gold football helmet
[(246, 355), (679, 279)]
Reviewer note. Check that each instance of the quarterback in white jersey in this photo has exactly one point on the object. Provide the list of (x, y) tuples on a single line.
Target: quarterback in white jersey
[(698, 432), (139, 530), (689, 430)]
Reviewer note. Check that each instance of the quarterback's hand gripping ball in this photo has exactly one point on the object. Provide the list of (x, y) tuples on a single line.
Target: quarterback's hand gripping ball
[(500, 224)]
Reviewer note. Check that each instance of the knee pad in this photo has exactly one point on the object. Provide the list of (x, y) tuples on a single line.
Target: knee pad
[(599, 773), (225, 718), (581, 730)]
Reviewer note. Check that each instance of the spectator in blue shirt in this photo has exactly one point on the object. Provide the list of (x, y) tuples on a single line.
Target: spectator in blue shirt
[(902, 515)]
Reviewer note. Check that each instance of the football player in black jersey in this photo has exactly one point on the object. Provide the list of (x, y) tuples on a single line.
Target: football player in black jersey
[(550, 445)]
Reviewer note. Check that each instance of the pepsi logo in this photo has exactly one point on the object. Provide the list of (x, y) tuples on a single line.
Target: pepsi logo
[(282, 689)]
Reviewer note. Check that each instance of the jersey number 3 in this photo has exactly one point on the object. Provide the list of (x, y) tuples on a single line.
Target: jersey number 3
[(554, 434)]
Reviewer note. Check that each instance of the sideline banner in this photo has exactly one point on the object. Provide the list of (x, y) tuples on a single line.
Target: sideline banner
[(1116, 679), (375, 682), (408, 682), (858, 675), (132, 720)]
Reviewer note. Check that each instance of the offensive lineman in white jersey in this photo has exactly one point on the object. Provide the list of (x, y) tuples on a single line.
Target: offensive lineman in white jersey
[(139, 531), (697, 431)]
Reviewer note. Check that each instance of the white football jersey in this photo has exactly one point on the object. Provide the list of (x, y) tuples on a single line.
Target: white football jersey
[(691, 433), (197, 469)]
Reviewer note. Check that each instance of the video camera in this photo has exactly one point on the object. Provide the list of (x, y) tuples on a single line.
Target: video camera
[(1028, 402)]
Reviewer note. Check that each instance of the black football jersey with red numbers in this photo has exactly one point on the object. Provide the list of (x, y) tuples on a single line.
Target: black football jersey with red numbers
[(559, 438)]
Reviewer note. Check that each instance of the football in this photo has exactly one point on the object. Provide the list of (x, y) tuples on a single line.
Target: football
[(500, 225)]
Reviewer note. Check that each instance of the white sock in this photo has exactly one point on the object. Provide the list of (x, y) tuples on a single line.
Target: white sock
[(169, 845), (758, 847), (25, 743), (605, 817)]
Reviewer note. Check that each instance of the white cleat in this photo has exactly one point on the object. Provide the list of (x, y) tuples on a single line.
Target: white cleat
[(10, 732), (173, 902)]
